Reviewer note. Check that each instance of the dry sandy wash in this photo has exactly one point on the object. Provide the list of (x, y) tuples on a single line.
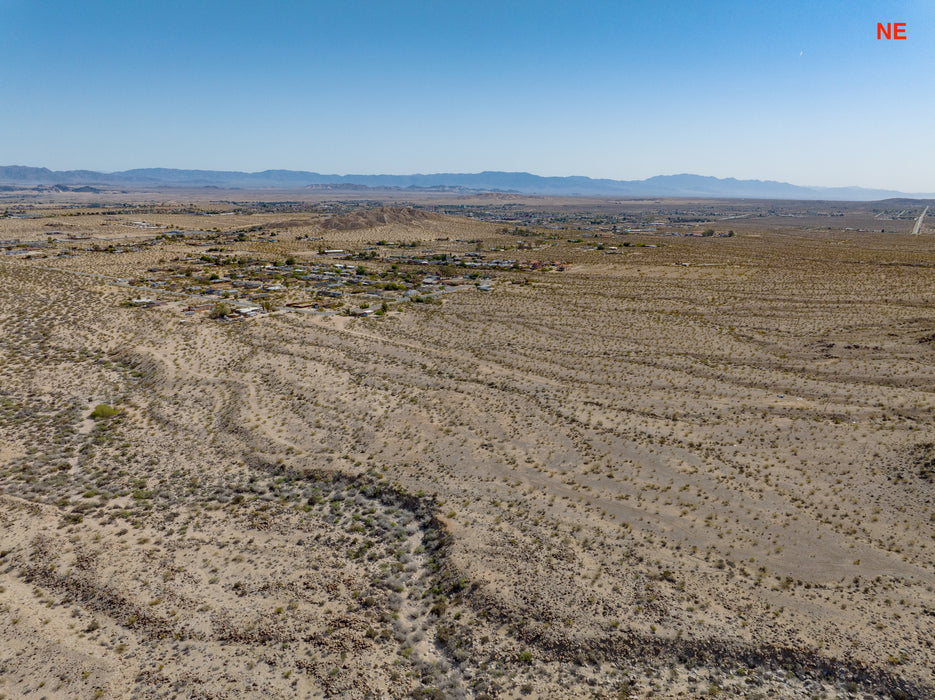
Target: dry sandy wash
[(703, 468)]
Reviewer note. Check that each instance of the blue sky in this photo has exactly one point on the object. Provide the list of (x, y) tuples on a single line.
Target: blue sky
[(795, 91)]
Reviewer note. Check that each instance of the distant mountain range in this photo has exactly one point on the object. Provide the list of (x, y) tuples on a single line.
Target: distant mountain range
[(492, 181)]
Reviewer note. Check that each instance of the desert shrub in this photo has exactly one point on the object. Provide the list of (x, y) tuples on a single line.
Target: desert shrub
[(102, 410), (220, 310)]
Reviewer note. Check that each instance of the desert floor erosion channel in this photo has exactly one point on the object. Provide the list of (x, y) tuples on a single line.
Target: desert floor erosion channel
[(465, 446)]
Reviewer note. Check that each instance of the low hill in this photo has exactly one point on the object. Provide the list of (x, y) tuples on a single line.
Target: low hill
[(377, 217)]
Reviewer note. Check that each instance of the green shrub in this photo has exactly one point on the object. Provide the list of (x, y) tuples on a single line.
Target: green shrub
[(220, 310), (102, 410)]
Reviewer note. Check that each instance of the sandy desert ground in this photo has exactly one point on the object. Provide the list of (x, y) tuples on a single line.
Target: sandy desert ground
[(684, 466)]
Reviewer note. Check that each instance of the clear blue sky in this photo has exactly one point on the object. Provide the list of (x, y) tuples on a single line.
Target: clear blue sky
[(800, 91)]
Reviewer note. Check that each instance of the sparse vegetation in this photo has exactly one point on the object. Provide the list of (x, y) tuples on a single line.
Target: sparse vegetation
[(687, 465)]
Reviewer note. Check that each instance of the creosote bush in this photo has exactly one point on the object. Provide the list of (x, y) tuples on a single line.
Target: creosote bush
[(102, 410)]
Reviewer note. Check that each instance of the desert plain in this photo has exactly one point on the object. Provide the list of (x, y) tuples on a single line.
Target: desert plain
[(464, 446)]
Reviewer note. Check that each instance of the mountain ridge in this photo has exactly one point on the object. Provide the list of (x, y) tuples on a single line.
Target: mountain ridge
[(678, 185)]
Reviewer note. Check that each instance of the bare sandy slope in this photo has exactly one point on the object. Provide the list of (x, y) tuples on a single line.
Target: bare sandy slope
[(634, 477)]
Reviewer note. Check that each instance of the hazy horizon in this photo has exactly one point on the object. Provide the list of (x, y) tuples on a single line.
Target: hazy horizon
[(493, 173), (796, 93)]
